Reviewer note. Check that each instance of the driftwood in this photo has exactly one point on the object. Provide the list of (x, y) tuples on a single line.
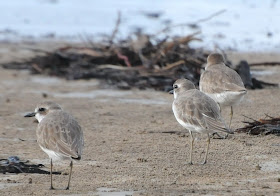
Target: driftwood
[(130, 63), (243, 69), (269, 125), (265, 63), (143, 62)]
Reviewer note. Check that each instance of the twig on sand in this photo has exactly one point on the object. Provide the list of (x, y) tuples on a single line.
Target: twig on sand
[(116, 67), (36, 67), (249, 118)]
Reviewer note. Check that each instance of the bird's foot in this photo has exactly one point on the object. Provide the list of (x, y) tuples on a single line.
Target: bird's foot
[(190, 163), (51, 188), (204, 162), (218, 136)]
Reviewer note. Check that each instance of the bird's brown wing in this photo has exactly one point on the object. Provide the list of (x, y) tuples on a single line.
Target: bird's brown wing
[(196, 108), (61, 133), (219, 79)]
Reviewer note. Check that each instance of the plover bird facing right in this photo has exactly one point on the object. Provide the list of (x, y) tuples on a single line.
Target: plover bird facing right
[(196, 112), (222, 83), (58, 134)]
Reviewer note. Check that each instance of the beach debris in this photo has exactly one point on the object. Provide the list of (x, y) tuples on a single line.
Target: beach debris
[(142, 160), (131, 63), (265, 64), (13, 164), (140, 61), (243, 69), (266, 126), (137, 63)]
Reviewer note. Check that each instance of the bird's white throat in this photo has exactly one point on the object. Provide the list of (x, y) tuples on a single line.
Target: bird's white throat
[(39, 117), (175, 95)]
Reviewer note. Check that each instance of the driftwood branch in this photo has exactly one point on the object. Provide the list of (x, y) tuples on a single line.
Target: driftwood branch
[(87, 39), (116, 29), (193, 23), (183, 40), (211, 16), (36, 50), (265, 63)]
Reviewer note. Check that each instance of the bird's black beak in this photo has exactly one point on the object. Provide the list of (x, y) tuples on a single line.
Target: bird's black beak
[(30, 114), (171, 92)]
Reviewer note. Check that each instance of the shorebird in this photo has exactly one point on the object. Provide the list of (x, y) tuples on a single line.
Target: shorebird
[(222, 83), (58, 134), (196, 112)]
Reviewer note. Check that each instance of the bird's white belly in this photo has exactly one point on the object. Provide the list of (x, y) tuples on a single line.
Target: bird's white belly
[(54, 155), (228, 98), (191, 127)]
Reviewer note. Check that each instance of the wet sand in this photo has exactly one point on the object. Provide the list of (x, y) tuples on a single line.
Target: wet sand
[(133, 144)]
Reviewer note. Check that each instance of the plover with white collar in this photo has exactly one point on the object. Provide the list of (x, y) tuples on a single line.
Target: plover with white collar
[(58, 134), (222, 83), (196, 112)]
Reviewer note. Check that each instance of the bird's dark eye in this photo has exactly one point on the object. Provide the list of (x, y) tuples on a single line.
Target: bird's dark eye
[(41, 109), (175, 86)]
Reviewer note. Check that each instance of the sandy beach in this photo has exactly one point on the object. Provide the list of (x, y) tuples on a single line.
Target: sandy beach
[(133, 144)]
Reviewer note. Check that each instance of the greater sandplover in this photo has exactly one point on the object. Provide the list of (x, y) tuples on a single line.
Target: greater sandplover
[(196, 112), (222, 83), (58, 134)]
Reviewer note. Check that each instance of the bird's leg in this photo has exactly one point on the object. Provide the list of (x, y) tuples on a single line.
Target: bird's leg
[(219, 136), (220, 108), (207, 149), (192, 140), (71, 166), (231, 114), (51, 188)]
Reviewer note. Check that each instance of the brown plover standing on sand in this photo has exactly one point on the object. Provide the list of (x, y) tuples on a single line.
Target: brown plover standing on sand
[(58, 134), (196, 112), (222, 83)]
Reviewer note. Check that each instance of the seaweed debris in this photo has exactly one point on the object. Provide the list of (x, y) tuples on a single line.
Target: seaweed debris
[(269, 125), (14, 165)]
